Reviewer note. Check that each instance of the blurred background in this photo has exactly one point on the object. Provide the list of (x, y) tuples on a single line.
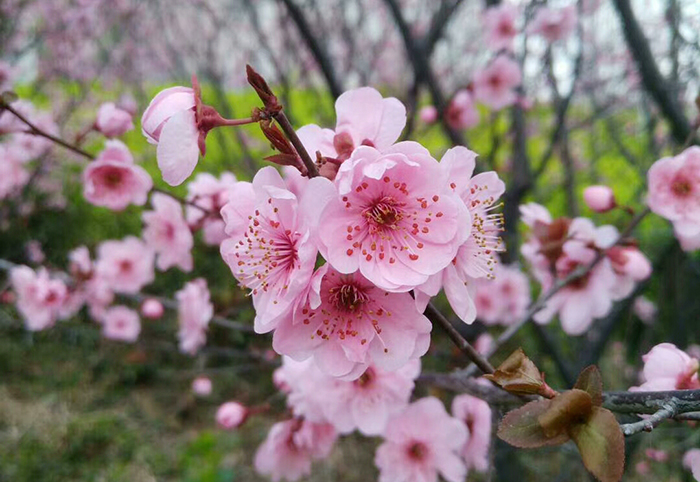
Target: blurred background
[(597, 106)]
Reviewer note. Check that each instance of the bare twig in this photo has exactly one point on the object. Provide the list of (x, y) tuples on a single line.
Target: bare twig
[(648, 424)]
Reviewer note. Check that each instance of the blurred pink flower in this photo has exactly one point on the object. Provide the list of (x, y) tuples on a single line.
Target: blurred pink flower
[(113, 180), (290, 446), (230, 415), (484, 343), (630, 262), (495, 85), (420, 442), (13, 175), (599, 198), (503, 299), (691, 461), (554, 23), (126, 266), (476, 415), (642, 467), (668, 368), (39, 298), (202, 386), (79, 262), (656, 455), (121, 323), (394, 218), (113, 121), (152, 309), (428, 114), (349, 324), (499, 23), (211, 194), (644, 309), (167, 233), (461, 112), (194, 311)]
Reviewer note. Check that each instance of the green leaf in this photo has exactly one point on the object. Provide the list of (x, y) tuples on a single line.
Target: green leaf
[(601, 444), (521, 428), (567, 409), (589, 380)]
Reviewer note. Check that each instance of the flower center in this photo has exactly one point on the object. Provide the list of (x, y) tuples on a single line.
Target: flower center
[(681, 188), (366, 379), (384, 213), (417, 451), (347, 297), (113, 178), (125, 266)]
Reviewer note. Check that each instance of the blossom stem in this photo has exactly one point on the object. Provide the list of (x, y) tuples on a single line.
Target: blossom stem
[(238, 122), (36, 131), (291, 134), (183, 201)]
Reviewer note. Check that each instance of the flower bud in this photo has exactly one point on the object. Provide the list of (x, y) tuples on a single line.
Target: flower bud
[(201, 386), (428, 114), (231, 415), (599, 198), (113, 121), (152, 309)]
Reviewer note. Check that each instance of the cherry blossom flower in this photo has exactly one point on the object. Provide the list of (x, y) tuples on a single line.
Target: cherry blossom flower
[(645, 309), (121, 323), (674, 191), (656, 455), (484, 343), (554, 23), (202, 386), (476, 415), (230, 415), (668, 368), (39, 298), (503, 299), (126, 266), (428, 114), (114, 181), (269, 248), (13, 175), (211, 194), (499, 23), (294, 181), (79, 263), (495, 85), (691, 461), (461, 112), (167, 233), (394, 219), (34, 252), (152, 309), (349, 323), (113, 121), (420, 442), (194, 311), (476, 257), (290, 447), (599, 198)]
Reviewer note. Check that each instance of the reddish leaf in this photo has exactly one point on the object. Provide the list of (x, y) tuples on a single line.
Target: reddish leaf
[(521, 428), (601, 444), (518, 374), (589, 380), (567, 409)]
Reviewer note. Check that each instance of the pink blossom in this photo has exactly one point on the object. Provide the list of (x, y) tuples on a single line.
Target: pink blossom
[(476, 256), (126, 266), (503, 299), (674, 191), (499, 23), (349, 323), (364, 118), (599, 198), (668, 368), (230, 415), (554, 23), (484, 343), (294, 181), (29, 146), (39, 298), (170, 122), (644, 308), (642, 467), (269, 249), (476, 415), (201, 386), (128, 103), (152, 309), (428, 114), (194, 313), (79, 262), (420, 442), (121, 323), (656, 455), (10, 123), (113, 121), (290, 447), (630, 262), (691, 461), (98, 296), (13, 175), (688, 243), (495, 85), (394, 219), (211, 194), (114, 181), (167, 233), (461, 112), (34, 252)]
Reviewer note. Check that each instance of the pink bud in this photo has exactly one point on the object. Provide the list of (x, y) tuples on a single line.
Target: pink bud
[(231, 415), (656, 455), (113, 121), (202, 386), (599, 198), (428, 114), (152, 309), (629, 261)]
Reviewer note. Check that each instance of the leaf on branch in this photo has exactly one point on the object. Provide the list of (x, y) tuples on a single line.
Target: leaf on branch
[(277, 138), (589, 380), (284, 159), (566, 410), (521, 427), (602, 445), (518, 374)]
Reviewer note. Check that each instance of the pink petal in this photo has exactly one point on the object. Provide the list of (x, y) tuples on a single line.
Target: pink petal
[(177, 150)]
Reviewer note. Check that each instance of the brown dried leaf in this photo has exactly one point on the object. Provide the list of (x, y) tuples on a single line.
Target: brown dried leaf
[(521, 428), (589, 380), (567, 409), (602, 445), (518, 374)]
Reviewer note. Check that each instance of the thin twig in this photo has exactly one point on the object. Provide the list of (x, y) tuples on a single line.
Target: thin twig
[(648, 424), (291, 134), (183, 201)]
